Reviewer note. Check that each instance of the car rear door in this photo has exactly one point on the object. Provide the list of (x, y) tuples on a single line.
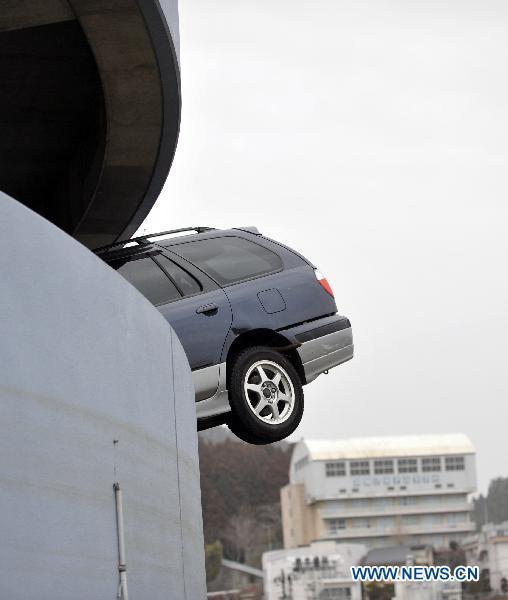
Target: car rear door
[(201, 318)]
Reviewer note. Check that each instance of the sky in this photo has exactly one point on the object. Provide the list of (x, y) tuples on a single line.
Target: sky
[(373, 138)]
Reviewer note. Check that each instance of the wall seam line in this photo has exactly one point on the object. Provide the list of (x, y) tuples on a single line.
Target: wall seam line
[(178, 464)]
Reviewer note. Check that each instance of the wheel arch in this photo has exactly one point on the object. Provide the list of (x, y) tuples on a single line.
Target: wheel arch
[(264, 337)]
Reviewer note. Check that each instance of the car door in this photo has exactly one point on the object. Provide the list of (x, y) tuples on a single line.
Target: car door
[(195, 306), (264, 286), (201, 318)]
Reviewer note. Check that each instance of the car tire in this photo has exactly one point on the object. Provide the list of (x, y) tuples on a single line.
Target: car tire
[(266, 396), (237, 428)]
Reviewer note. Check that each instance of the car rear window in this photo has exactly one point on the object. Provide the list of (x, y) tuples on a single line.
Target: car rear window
[(147, 277), (229, 259), (185, 282)]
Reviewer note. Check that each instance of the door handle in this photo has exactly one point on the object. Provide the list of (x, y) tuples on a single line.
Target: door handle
[(208, 309)]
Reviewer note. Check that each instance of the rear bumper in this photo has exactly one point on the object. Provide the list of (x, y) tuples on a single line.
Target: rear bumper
[(324, 344)]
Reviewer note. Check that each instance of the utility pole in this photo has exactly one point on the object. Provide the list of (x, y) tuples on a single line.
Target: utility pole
[(281, 580)]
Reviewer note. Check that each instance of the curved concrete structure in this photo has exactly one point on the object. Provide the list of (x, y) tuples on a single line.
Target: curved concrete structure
[(94, 389), (99, 446), (89, 110)]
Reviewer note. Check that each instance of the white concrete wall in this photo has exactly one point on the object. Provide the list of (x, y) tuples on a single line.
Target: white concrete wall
[(85, 360), (498, 562), (428, 590), (341, 558)]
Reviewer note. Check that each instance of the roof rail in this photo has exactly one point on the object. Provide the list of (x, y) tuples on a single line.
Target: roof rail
[(142, 239)]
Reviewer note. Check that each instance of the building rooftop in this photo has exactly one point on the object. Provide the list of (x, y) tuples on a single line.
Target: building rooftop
[(375, 447), (397, 555)]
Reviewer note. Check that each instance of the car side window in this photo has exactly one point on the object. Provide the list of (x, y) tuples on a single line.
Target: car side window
[(148, 278), (229, 259), (183, 280)]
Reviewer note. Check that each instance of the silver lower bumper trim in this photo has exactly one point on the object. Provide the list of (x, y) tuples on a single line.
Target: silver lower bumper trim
[(324, 353), (217, 404)]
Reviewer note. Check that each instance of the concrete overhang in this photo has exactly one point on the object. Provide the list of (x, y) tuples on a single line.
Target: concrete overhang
[(89, 110)]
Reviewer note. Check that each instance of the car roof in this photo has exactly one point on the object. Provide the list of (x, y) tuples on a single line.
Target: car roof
[(137, 244), (211, 233)]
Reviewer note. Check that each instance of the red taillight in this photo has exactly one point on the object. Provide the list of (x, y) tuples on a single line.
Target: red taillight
[(324, 283)]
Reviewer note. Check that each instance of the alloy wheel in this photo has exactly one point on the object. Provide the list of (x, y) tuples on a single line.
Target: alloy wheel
[(269, 392)]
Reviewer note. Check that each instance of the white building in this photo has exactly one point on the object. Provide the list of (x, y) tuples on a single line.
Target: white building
[(380, 491), (320, 571), (489, 551), (428, 590)]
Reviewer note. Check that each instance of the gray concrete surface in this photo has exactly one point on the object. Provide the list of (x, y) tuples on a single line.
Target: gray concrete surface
[(86, 360)]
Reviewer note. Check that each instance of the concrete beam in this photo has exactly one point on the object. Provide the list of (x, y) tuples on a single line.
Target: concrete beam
[(132, 87), (89, 153), (20, 14)]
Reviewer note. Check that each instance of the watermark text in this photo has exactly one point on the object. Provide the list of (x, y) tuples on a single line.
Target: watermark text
[(385, 573)]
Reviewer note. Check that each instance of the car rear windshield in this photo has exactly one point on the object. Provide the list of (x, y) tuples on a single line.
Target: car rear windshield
[(229, 259)]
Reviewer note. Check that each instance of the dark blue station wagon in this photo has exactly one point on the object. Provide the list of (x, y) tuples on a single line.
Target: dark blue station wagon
[(256, 319)]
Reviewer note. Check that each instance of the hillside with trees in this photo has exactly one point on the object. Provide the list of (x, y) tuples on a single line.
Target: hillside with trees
[(494, 506), (240, 487)]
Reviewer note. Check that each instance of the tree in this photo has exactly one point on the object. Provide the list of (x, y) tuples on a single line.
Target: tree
[(377, 590), (213, 560), (504, 585), (242, 534), (494, 507), (240, 495)]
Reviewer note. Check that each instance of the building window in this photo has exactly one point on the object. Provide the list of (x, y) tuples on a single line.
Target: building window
[(335, 525), (336, 469), (385, 522), (360, 467), (410, 520), (336, 593), (383, 467), (454, 463), (431, 464), (361, 523), (407, 465), (454, 519)]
